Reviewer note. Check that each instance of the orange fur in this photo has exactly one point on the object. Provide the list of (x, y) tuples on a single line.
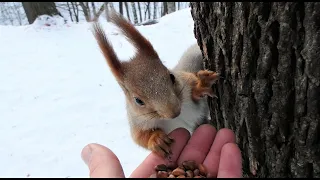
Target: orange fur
[(204, 83), (144, 77), (108, 52), (200, 83), (133, 35)]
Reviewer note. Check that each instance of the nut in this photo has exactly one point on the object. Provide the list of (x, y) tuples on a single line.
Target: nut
[(196, 172), (181, 167), (162, 174), (188, 169), (189, 174), (161, 167), (189, 165), (178, 172)]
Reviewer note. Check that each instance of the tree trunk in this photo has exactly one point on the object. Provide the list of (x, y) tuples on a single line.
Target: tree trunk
[(69, 10), (35, 9), (106, 9), (134, 11), (75, 10), (17, 10), (165, 8), (171, 7), (147, 11), (94, 11), (100, 11), (111, 6), (121, 8), (155, 10), (127, 9), (86, 10), (139, 8), (268, 56)]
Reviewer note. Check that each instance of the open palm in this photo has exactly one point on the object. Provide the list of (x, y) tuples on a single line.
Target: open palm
[(216, 150)]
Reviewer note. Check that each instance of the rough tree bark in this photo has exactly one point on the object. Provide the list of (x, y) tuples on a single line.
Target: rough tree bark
[(268, 55), (35, 9)]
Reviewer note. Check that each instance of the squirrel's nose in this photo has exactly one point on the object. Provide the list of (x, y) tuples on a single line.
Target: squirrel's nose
[(172, 113), (175, 114)]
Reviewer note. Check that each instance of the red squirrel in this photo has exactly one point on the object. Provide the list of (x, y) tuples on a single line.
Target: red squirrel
[(158, 100)]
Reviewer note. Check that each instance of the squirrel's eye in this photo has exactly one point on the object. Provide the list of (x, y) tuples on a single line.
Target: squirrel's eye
[(138, 101), (173, 79)]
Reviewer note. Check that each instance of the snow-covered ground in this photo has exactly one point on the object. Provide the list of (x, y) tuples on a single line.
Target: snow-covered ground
[(57, 94)]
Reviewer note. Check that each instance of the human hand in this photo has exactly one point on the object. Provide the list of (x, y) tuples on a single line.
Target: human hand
[(216, 150)]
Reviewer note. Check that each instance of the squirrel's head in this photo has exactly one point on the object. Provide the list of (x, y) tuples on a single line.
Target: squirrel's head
[(150, 88)]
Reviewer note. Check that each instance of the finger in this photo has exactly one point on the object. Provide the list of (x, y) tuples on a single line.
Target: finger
[(146, 168), (223, 137), (230, 165), (102, 162), (199, 144)]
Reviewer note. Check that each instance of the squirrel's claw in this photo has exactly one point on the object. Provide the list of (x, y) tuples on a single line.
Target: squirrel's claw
[(203, 87), (160, 144)]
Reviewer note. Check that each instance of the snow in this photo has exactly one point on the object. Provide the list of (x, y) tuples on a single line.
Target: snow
[(57, 94)]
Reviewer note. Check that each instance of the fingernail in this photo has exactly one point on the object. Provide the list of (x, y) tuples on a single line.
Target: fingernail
[(86, 154)]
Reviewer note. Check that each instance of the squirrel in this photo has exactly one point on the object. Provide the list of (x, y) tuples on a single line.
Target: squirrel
[(158, 99)]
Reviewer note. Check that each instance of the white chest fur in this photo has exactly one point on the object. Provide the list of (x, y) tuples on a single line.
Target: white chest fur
[(191, 115)]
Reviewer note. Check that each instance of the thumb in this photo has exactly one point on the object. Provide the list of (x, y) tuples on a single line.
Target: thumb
[(102, 162)]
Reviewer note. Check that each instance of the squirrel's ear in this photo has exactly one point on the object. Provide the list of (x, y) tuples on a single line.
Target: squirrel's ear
[(108, 51), (142, 45)]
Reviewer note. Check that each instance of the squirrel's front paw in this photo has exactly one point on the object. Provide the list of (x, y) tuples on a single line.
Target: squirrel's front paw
[(160, 143), (203, 87)]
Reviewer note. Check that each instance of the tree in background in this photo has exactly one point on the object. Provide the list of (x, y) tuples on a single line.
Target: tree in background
[(127, 10), (121, 8), (134, 11), (139, 8), (147, 4), (164, 9), (155, 10), (13, 12), (171, 7), (268, 56), (35, 9)]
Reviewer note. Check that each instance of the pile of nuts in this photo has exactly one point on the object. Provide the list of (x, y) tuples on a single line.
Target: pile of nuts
[(188, 169)]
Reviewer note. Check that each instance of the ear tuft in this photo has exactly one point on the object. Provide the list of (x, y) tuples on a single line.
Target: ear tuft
[(132, 34), (108, 51)]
